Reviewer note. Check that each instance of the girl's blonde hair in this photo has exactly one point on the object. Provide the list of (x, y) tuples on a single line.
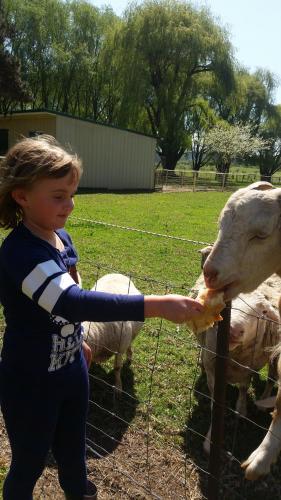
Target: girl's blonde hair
[(26, 162)]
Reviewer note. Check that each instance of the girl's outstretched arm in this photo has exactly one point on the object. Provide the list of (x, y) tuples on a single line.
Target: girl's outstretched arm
[(176, 308)]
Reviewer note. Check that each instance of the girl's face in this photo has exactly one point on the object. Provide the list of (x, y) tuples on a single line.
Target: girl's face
[(49, 202)]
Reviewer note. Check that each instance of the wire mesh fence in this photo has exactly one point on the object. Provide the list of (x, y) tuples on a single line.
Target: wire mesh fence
[(193, 180), (147, 441)]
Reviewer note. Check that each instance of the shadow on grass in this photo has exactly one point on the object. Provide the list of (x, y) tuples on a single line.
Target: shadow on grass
[(109, 416), (241, 438)]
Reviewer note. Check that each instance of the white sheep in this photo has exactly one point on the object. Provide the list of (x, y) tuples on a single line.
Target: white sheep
[(253, 331), (246, 252), (112, 338), (253, 334)]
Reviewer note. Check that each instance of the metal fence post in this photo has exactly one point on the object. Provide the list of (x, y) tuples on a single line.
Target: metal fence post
[(217, 435)]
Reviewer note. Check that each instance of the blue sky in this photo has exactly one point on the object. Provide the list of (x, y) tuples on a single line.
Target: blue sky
[(254, 27)]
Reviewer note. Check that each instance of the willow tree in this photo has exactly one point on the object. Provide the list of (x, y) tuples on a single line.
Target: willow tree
[(36, 25), (248, 102), (12, 88), (61, 47), (166, 45), (202, 119)]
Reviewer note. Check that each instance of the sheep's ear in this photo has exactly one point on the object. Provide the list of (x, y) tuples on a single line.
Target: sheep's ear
[(204, 254), (206, 250), (260, 186), (270, 313)]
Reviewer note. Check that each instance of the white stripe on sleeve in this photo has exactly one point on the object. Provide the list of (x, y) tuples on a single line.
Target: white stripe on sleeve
[(53, 291), (38, 276)]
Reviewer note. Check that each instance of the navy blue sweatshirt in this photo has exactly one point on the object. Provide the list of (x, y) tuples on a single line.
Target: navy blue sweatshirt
[(43, 306)]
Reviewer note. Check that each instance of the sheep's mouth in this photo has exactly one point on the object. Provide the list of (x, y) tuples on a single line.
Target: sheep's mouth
[(228, 289), (231, 290)]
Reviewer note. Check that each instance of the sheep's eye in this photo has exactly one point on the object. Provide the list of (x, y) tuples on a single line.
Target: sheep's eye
[(259, 236)]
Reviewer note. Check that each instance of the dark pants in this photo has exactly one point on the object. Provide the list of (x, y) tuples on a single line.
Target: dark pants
[(44, 412)]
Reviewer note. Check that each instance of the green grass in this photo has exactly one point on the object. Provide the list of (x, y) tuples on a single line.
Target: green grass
[(169, 262), (3, 472), (164, 362), (189, 215)]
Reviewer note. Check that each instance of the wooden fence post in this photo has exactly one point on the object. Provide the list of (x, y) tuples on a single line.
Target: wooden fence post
[(218, 410), (194, 180)]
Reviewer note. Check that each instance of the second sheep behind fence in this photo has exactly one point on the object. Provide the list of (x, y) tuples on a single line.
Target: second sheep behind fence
[(253, 333), (112, 338)]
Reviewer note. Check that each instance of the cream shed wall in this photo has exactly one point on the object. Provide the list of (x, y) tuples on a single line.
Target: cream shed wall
[(112, 158), (20, 125)]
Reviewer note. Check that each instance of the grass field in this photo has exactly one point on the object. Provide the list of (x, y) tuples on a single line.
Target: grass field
[(164, 363), (168, 262), (171, 263), (188, 215)]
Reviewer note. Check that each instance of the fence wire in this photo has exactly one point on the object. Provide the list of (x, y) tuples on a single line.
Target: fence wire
[(146, 441), (202, 180)]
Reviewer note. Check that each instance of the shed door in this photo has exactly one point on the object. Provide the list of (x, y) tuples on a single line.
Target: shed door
[(4, 141)]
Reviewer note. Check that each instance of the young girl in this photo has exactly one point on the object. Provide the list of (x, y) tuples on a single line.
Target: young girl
[(43, 369)]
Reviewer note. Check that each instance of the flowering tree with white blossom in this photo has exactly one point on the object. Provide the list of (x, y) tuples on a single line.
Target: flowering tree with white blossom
[(225, 143)]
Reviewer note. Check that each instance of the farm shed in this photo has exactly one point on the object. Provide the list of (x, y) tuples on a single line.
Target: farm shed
[(113, 158)]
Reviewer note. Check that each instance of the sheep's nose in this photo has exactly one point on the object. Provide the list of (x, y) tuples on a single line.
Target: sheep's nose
[(210, 275)]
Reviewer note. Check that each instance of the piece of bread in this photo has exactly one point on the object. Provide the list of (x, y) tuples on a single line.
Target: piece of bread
[(213, 303)]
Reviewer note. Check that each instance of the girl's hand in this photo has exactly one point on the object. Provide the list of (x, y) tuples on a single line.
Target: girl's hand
[(176, 308), (87, 353)]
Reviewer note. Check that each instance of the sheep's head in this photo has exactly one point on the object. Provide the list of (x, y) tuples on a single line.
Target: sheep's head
[(252, 318), (247, 250)]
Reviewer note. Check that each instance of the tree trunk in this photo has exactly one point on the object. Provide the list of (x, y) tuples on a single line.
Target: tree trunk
[(222, 167), (268, 166), (169, 159), (195, 151), (266, 178)]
